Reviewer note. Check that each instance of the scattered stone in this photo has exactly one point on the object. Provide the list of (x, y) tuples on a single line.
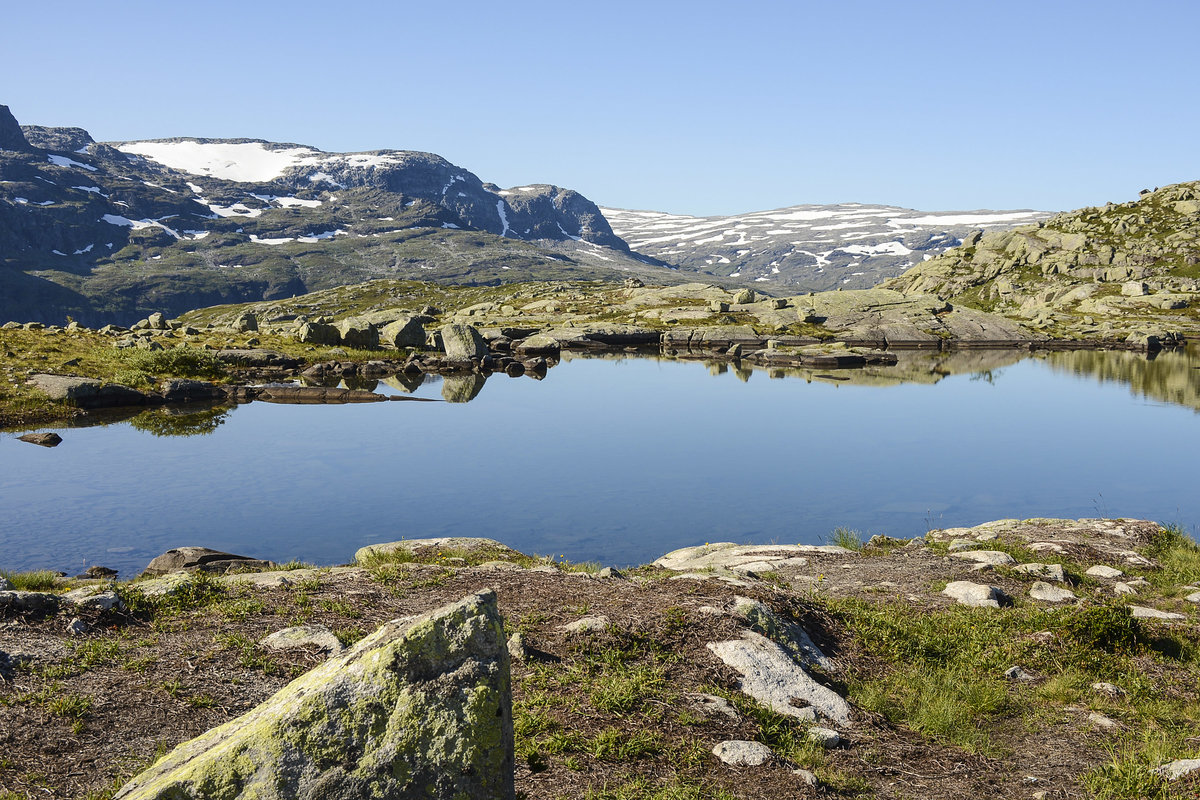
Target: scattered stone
[(1109, 689), (827, 738), (1053, 572), (960, 544), (1102, 571), (809, 778), (317, 333), (712, 705), (609, 572), (1143, 612), (1178, 769), (404, 332), (976, 595), (1015, 673), (1121, 588), (463, 341), (1050, 593), (1194, 597), (422, 707), (1102, 722), (585, 624), (77, 627), (993, 558), (302, 637), (744, 296), (48, 439), (91, 598), (773, 678), (741, 753), (190, 559), (1052, 547), (5, 585), (98, 572), (245, 322), (516, 647), (28, 602)]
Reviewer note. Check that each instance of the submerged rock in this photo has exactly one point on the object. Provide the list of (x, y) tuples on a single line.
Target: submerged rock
[(48, 439), (421, 708)]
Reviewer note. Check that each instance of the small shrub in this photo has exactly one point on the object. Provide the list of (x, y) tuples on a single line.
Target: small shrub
[(179, 362), (1110, 628)]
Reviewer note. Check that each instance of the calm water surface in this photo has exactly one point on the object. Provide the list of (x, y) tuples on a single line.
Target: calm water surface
[(619, 461)]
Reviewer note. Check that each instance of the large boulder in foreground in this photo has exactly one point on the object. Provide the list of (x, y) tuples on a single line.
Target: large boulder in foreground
[(421, 708)]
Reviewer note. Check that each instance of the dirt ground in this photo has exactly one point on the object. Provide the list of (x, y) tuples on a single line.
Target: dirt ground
[(80, 714)]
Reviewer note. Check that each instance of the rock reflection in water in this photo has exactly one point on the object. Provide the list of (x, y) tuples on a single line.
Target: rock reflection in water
[(462, 388), (1172, 376), (407, 383)]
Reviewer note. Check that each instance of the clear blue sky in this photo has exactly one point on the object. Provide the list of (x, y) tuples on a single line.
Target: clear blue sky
[(698, 107)]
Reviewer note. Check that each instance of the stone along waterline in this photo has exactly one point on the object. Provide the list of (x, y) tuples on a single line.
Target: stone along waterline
[(620, 461)]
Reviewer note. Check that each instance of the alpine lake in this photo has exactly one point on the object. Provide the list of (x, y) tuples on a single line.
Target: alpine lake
[(618, 460)]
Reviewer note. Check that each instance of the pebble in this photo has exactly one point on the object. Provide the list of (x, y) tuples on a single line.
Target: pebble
[(584, 624), (1110, 689), (827, 738), (1015, 673), (1102, 571), (77, 627), (741, 753)]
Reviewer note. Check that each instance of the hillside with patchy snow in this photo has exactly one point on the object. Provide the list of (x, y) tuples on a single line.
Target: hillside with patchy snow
[(111, 232), (807, 247)]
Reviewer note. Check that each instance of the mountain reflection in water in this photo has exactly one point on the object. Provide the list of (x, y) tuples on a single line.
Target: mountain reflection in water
[(619, 460)]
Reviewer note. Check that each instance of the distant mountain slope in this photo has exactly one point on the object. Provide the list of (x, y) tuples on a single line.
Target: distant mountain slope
[(1122, 269), (806, 247), (111, 232)]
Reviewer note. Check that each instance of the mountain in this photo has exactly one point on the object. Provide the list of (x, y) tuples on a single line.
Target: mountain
[(806, 247), (1123, 269), (108, 232)]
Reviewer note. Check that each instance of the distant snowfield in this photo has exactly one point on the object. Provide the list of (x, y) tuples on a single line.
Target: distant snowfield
[(800, 243), (248, 162)]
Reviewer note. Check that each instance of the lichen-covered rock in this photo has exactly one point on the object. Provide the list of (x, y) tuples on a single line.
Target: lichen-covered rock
[(403, 332), (463, 341), (420, 709)]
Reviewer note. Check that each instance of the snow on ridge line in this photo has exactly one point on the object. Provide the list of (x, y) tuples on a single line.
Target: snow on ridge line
[(63, 161), (249, 162)]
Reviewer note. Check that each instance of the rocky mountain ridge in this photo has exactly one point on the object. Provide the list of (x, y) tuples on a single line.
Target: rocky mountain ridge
[(806, 247), (110, 232)]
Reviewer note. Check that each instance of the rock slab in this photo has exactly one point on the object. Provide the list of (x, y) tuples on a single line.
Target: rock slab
[(421, 708), (773, 678)]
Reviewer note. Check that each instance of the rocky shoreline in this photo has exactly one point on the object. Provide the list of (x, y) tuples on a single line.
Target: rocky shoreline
[(757, 670), (254, 372)]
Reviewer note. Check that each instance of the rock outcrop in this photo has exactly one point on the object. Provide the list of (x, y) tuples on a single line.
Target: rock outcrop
[(421, 708)]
